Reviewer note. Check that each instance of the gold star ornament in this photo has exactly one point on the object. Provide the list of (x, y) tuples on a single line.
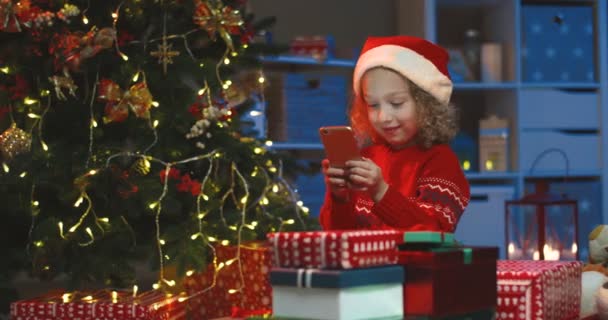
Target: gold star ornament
[(165, 54)]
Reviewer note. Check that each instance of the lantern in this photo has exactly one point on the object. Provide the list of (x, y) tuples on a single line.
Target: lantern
[(541, 226)]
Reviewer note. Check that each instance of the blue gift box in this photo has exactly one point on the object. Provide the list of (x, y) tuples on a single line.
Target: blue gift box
[(318, 278), (558, 43)]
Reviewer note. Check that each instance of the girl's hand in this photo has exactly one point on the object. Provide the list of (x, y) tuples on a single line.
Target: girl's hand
[(336, 181), (366, 176)]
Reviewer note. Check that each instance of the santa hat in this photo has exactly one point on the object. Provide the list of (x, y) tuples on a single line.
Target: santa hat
[(421, 61)]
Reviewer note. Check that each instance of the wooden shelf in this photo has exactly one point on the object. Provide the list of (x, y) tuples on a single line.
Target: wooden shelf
[(484, 85), (561, 85), (286, 59), (296, 146)]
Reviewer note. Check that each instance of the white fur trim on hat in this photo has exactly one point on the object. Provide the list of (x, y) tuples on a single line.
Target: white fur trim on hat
[(410, 64)]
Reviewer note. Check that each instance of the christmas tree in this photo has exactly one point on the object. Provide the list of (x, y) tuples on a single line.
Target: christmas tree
[(122, 137)]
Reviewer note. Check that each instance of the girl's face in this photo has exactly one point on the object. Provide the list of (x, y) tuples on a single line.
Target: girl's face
[(391, 108)]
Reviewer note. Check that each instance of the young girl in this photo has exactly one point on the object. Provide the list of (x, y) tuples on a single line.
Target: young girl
[(408, 177)]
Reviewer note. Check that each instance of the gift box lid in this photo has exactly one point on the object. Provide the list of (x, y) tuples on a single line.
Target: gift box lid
[(317, 278), (421, 240), (442, 256)]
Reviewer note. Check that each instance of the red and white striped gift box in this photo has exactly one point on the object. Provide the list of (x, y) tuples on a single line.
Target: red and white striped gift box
[(335, 249), (539, 290)]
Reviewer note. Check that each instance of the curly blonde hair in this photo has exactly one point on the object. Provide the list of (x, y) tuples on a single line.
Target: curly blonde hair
[(437, 122)]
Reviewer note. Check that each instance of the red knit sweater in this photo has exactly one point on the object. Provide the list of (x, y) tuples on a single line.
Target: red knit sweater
[(427, 191)]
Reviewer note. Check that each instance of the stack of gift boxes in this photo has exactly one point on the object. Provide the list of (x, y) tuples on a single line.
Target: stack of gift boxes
[(348, 275), (380, 275)]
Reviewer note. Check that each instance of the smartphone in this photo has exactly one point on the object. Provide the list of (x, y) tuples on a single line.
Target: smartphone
[(340, 145)]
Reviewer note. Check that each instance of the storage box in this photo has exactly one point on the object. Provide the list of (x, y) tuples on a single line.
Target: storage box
[(299, 104), (580, 148), (449, 281), (335, 249), (483, 221), (102, 304), (493, 144), (558, 43), (559, 109), (540, 290), (368, 293)]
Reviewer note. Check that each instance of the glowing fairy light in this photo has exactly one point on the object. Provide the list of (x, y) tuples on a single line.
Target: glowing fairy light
[(211, 239), (33, 116), (23, 174), (45, 147), (85, 20), (268, 143), (6, 168), (78, 202), (155, 104), (161, 241), (29, 101), (93, 123), (5, 70), (135, 77), (155, 124), (226, 61), (189, 273), (261, 79)]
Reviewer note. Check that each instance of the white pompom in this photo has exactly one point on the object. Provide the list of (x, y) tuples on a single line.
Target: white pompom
[(601, 294), (592, 293)]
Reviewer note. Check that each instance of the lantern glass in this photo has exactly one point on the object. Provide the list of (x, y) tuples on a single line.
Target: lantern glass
[(543, 230)]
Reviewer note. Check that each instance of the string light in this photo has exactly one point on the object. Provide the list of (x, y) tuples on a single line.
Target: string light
[(268, 143), (6, 168), (29, 101), (5, 70), (85, 20)]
